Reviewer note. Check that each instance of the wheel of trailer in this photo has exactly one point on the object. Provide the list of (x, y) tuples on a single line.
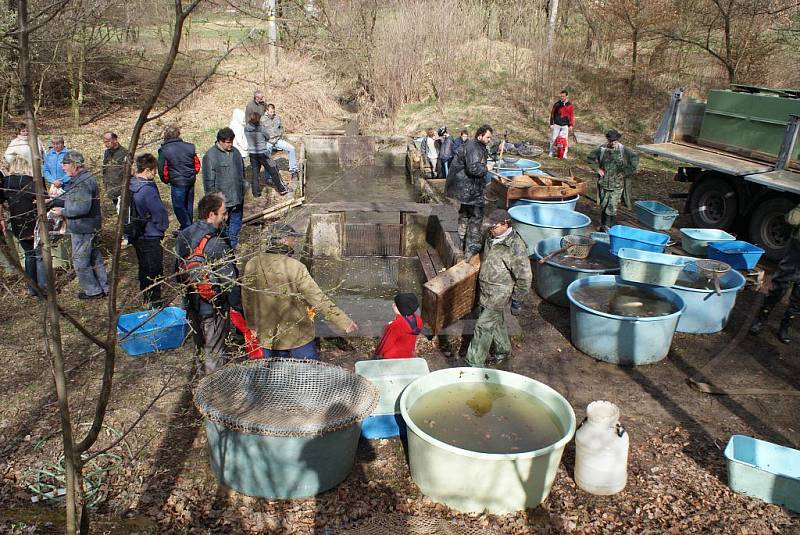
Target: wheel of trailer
[(768, 227), (714, 204)]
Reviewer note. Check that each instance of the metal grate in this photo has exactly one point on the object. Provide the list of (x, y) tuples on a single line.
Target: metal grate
[(372, 239), (356, 150)]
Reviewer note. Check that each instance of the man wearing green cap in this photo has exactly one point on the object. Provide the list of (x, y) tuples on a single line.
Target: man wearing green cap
[(505, 276), (614, 165)]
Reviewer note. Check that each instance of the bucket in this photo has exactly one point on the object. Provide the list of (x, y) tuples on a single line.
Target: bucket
[(535, 223), (619, 339), (471, 481), (706, 312), (601, 450), (568, 204)]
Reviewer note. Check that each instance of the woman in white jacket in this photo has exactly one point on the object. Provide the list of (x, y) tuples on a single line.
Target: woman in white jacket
[(19, 146)]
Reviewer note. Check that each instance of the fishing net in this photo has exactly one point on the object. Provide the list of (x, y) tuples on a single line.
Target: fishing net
[(410, 525), (285, 397)]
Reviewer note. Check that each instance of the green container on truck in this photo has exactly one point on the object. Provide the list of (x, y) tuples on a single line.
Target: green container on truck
[(739, 151)]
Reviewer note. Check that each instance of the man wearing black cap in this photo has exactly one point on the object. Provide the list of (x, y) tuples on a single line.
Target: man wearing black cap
[(505, 276), (281, 299), (614, 165), (399, 339)]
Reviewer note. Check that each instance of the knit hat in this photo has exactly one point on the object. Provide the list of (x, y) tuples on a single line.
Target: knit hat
[(613, 135), (407, 304)]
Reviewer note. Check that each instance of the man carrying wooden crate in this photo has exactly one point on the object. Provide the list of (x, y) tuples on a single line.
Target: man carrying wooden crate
[(505, 276)]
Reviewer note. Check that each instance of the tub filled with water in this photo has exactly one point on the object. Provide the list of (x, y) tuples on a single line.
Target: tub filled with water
[(706, 310), (621, 322)]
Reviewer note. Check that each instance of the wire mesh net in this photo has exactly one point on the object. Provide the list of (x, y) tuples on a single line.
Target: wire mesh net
[(409, 525), (577, 245), (285, 397)]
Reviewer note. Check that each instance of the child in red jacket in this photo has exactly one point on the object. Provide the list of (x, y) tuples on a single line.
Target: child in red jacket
[(400, 336)]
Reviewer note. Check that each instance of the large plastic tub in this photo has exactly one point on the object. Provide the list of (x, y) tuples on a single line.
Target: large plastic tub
[(522, 165), (650, 268), (635, 238), (695, 240), (470, 481), (535, 223), (655, 215), (165, 330), (706, 312), (737, 254), (621, 339), (568, 204), (552, 278), (763, 470), (391, 376)]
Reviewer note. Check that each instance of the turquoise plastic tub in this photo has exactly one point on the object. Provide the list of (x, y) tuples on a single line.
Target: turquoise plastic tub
[(620, 339), (763, 470), (472, 481), (568, 204), (655, 215), (535, 223), (706, 312), (635, 238), (695, 240), (650, 268), (522, 165), (551, 278), (737, 254)]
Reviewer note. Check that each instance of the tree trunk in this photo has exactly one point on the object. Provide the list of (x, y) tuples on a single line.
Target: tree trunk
[(634, 58), (551, 23)]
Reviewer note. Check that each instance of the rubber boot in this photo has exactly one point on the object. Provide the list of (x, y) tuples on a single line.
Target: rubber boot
[(602, 227), (758, 324), (783, 330), (612, 220)]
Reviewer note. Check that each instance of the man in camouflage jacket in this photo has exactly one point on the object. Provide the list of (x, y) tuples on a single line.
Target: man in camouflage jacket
[(505, 276), (614, 165)]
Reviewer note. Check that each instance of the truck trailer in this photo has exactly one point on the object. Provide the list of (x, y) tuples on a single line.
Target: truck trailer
[(739, 152)]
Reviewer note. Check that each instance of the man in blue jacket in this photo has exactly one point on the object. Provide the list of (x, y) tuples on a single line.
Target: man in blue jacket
[(51, 167), (178, 166), (152, 221), (80, 206), (223, 172)]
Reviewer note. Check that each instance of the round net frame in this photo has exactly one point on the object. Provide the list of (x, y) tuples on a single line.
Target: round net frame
[(285, 397), (712, 269), (577, 245)]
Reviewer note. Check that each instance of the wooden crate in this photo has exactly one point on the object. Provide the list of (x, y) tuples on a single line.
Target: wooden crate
[(450, 295)]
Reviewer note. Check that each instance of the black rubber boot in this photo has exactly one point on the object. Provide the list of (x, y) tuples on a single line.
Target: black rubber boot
[(612, 220), (783, 330), (758, 324), (603, 218)]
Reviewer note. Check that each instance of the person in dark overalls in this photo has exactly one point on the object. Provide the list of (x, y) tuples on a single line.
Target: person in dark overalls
[(787, 276)]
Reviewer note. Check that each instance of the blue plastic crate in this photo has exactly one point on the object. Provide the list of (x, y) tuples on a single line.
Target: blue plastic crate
[(383, 426), (655, 215), (165, 330), (634, 238), (737, 254), (764, 470)]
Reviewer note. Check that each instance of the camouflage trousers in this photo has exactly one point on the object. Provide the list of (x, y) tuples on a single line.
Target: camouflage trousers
[(609, 200), (470, 223), (490, 328)]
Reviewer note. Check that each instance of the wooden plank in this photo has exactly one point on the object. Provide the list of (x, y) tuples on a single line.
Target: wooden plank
[(427, 264), (438, 265)]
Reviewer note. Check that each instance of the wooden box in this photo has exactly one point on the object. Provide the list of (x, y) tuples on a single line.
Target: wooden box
[(450, 295)]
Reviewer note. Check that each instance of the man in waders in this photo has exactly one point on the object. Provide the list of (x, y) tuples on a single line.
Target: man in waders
[(505, 276), (787, 276), (614, 165)]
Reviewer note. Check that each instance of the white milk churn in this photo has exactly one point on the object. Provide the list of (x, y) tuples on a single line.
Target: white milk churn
[(601, 450)]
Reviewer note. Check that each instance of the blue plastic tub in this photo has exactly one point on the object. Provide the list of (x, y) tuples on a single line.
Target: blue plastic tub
[(383, 426), (522, 165), (552, 278), (165, 330), (567, 204), (535, 223), (764, 470), (617, 339), (650, 268), (737, 254), (634, 238), (655, 215), (695, 240), (706, 312)]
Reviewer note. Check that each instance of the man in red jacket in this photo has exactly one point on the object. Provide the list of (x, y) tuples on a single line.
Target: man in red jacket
[(562, 119), (400, 336)]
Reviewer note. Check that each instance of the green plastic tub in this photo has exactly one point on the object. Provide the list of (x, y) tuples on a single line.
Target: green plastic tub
[(470, 481)]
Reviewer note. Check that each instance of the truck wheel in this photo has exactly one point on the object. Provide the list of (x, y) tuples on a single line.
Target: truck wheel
[(713, 204), (768, 228)]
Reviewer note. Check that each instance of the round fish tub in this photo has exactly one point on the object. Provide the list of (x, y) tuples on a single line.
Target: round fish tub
[(706, 312), (551, 278), (536, 223), (621, 339), (471, 481), (522, 165), (568, 204)]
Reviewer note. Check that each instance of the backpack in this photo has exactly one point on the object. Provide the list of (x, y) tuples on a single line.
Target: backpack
[(194, 273), (134, 224)]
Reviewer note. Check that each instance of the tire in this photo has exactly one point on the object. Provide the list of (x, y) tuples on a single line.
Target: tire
[(714, 204), (768, 228)]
